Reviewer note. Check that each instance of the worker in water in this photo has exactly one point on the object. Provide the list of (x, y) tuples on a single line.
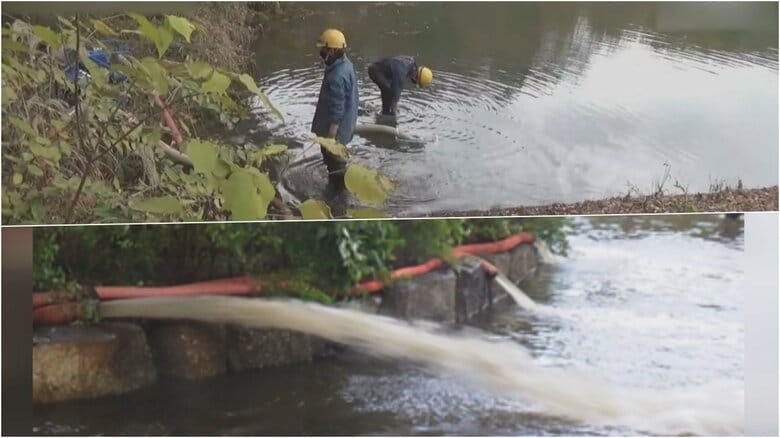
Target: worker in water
[(337, 107), (391, 74)]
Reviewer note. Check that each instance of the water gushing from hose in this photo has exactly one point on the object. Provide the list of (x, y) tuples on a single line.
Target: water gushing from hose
[(501, 366)]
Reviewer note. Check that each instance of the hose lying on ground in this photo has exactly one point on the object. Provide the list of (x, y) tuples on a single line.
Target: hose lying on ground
[(52, 308)]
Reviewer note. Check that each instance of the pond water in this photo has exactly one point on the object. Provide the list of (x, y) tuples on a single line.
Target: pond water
[(535, 103), (648, 303)]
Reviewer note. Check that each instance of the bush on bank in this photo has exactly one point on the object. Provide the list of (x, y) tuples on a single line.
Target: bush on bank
[(86, 145), (328, 256)]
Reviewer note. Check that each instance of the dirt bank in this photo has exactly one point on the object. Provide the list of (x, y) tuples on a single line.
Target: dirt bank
[(731, 200)]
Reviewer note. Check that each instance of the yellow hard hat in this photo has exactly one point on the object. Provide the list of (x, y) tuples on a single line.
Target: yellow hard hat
[(424, 76), (332, 39)]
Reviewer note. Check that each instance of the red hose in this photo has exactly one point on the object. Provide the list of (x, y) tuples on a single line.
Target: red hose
[(40, 299), (489, 268), (45, 313), (43, 298), (494, 247), (57, 314), (245, 285), (169, 121), (373, 286)]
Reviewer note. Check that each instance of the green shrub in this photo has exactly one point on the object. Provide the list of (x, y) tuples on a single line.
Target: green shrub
[(327, 257), (93, 150), (428, 238)]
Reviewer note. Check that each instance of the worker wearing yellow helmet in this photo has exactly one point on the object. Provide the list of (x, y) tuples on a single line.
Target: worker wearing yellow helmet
[(337, 105), (392, 73)]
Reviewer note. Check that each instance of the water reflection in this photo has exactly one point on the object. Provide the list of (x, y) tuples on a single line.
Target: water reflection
[(542, 102), (727, 229)]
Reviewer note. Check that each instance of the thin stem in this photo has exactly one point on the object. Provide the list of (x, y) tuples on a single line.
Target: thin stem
[(88, 167)]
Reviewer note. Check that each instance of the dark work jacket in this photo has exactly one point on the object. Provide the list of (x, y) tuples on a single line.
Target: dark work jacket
[(338, 101), (397, 70)]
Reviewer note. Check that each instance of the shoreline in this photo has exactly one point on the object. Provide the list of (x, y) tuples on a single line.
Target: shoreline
[(724, 201)]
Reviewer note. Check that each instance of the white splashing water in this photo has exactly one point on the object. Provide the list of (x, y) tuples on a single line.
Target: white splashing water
[(503, 367), (544, 252), (520, 298)]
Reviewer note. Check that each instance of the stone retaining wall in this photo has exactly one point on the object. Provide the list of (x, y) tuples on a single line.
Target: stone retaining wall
[(87, 362), (116, 357), (460, 293)]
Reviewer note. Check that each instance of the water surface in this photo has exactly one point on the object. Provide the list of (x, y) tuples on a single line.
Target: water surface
[(546, 102)]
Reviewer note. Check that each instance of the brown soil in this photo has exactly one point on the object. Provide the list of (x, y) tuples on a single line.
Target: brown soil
[(729, 200)]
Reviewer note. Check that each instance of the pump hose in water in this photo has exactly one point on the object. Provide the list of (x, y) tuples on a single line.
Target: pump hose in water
[(377, 129)]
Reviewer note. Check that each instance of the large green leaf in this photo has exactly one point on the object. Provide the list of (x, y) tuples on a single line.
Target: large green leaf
[(222, 168), (34, 170), (161, 36), (333, 147), (151, 137), (181, 25), (164, 40), (47, 35), (217, 83), (268, 151), (203, 155), (160, 204), (199, 70), (14, 46), (65, 22), (103, 28), (156, 75), (48, 152), (242, 198), (145, 27), (314, 209), (24, 126), (263, 183), (38, 210), (267, 102), (368, 185), (249, 83), (273, 149)]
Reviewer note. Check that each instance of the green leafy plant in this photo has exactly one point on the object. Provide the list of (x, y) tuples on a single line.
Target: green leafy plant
[(93, 150)]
